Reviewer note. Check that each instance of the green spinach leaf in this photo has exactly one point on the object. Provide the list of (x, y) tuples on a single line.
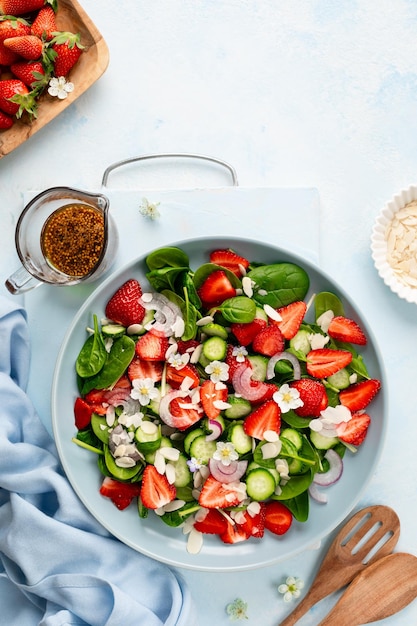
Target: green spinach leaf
[(280, 284)]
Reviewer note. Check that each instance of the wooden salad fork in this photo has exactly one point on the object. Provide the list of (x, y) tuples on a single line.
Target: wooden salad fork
[(369, 535)]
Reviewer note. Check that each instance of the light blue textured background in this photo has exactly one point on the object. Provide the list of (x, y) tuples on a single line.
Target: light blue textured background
[(298, 93)]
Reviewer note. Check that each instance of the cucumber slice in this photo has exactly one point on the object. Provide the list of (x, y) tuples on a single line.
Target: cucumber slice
[(241, 441), (239, 407), (148, 442), (293, 436), (260, 484), (113, 330), (260, 314), (300, 342), (189, 438), (259, 366), (182, 472), (214, 330), (214, 349), (321, 442), (202, 450), (340, 380), (253, 465)]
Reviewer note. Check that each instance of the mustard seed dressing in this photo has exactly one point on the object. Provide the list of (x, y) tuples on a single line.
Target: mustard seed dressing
[(72, 239)]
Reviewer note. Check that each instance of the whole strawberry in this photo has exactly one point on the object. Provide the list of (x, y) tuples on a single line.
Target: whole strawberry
[(32, 73), (20, 7), (67, 49), (44, 24), (13, 27), (7, 56), (5, 121), (313, 394), (15, 98), (28, 47)]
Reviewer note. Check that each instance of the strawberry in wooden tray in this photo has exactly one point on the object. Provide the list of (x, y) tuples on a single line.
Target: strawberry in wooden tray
[(218, 404)]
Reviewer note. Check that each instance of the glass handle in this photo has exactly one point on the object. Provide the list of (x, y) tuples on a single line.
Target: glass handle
[(21, 281), (179, 155)]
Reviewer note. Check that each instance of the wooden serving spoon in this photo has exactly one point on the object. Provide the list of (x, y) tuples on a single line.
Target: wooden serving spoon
[(384, 588), (358, 544)]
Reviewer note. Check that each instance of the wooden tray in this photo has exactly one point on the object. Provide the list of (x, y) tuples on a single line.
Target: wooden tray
[(91, 65)]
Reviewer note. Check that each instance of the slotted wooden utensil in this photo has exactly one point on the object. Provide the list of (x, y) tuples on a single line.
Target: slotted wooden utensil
[(382, 589), (368, 535)]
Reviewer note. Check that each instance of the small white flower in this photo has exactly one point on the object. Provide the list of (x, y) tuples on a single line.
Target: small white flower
[(59, 88), (144, 390), (218, 371), (291, 588), (287, 398), (239, 352), (237, 610), (225, 452), (178, 360), (194, 464), (149, 209)]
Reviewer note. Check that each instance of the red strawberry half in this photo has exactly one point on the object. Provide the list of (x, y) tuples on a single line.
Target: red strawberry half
[(216, 289), (266, 417), (152, 347), (214, 523), (156, 490), (211, 396), (246, 333), (325, 362), (216, 495), (292, 315), (139, 369), (359, 395), (313, 394), (179, 411), (230, 260), (354, 431), (121, 494), (278, 518), (124, 307), (344, 329), (175, 377), (269, 341)]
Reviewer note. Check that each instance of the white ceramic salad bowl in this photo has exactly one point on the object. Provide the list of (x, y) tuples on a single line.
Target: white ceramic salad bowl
[(151, 536)]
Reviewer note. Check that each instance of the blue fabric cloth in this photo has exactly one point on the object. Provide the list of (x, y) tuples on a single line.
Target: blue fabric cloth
[(58, 566)]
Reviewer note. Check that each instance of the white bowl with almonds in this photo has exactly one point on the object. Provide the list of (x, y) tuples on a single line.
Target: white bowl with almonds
[(394, 244)]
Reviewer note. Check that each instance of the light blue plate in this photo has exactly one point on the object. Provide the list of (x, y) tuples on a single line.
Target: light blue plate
[(151, 536)]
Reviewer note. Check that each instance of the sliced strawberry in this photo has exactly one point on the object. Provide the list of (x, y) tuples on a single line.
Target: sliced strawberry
[(266, 417), (187, 346), (230, 260), (175, 377), (292, 315), (174, 411), (325, 362), (156, 490), (217, 495), (139, 369), (152, 346), (359, 395), (269, 341), (235, 533), (344, 329), (216, 289), (313, 394), (354, 431), (254, 524), (246, 333), (211, 396), (121, 494), (278, 518), (83, 411), (214, 523), (124, 307)]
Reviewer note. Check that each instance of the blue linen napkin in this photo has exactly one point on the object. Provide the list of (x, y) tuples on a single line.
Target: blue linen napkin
[(58, 565)]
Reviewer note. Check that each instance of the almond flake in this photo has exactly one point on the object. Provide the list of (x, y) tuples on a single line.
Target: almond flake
[(195, 542)]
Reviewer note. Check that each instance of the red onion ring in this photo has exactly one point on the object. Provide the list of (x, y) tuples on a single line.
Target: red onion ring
[(316, 494), (283, 356), (216, 430), (243, 384), (227, 473), (333, 473)]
